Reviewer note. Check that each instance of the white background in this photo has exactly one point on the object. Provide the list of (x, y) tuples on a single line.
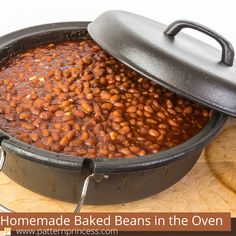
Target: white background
[(219, 15)]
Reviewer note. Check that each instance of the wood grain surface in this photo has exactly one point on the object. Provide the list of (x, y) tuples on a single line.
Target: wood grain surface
[(209, 186)]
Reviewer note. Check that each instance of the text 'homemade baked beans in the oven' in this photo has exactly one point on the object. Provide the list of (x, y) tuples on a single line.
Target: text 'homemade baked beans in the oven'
[(74, 98)]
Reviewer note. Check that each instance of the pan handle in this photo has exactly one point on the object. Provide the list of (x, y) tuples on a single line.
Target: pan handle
[(2, 161), (4, 209), (97, 177), (83, 193), (227, 49)]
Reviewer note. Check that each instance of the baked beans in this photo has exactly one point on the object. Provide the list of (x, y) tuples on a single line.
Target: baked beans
[(74, 98)]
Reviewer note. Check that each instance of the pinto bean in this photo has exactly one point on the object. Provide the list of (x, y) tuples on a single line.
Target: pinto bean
[(27, 126), (46, 115), (86, 106), (124, 130), (148, 109), (24, 116), (115, 98), (153, 132), (131, 109), (105, 96), (64, 141)]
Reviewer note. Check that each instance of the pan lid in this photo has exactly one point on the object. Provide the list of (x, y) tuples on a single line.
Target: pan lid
[(172, 58)]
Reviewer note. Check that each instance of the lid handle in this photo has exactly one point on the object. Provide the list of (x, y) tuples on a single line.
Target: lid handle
[(227, 48)]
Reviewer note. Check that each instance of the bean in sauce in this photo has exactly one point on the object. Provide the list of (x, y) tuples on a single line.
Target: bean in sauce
[(74, 98)]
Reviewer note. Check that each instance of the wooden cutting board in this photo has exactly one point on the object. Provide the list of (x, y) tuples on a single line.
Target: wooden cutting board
[(209, 186)]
